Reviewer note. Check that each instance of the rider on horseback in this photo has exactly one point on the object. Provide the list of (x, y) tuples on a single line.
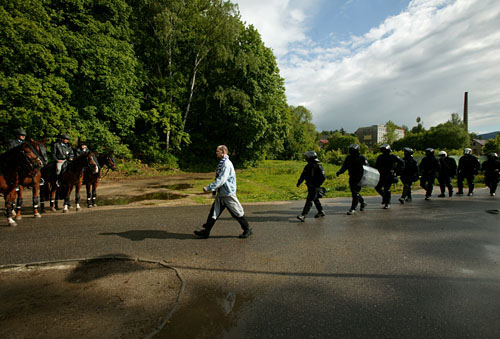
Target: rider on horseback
[(62, 152), (20, 136)]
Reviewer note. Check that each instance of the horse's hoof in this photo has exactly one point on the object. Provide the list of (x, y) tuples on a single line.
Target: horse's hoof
[(38, 215), (65, 211), (19, 217), (94, 205), (12, 222), (78, 208)]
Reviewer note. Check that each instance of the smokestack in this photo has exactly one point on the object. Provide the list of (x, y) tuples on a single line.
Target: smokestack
[(466, 111)]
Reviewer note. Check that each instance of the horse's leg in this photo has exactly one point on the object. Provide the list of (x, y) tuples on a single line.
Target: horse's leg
[(9, 202), (43, 195), (53, 196), (77, 194), (94, 192), (88, 188), (36, 194), (67, 199), (19, 203)]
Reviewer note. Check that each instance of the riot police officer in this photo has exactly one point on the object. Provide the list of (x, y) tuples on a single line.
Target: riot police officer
[(314, 175), (447, 170), (428, 167), (491, 168), (388, 165), (18, 140), (468, 167), (409, 174), (354, 163)]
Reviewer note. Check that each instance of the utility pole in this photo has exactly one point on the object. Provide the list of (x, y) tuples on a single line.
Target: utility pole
[(466, 111)]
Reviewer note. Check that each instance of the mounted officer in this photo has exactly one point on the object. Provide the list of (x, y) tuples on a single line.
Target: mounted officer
[(468, 167), (18, 140), (82, 148), (62, 152)]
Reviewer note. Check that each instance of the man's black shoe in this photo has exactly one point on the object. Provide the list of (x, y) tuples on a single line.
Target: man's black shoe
[(246, 233), (319, 214), (202, 234), (401, 201), (441, 195), (362, 206)]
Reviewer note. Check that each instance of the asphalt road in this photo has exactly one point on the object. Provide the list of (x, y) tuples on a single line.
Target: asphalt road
[(429, 269)]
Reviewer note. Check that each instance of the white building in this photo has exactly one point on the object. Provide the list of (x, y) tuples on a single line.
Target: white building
[(376, 134)]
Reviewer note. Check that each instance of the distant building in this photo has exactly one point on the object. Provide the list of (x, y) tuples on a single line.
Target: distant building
[(376, 134), (477, 146)]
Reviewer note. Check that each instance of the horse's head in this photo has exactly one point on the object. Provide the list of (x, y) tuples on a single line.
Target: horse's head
[(92, 163), (40, 148), (109, 161), (30, 156)]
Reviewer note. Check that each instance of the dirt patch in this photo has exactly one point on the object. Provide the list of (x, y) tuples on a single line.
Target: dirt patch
[(91, 299)]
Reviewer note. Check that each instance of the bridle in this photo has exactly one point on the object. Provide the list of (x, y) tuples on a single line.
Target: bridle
[(31, 163)]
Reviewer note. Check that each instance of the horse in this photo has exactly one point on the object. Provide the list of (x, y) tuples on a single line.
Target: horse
[(91, 180), (33, 180), (16, 164), (71, 177)]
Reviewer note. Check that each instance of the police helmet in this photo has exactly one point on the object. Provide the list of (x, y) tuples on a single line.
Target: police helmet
[(442, 153), (20, 131), (65, 136), (429, 151), (385, 148), (408, 150), (467, 151), (311, 156), (82, 142), (353, 149), (493, 155)]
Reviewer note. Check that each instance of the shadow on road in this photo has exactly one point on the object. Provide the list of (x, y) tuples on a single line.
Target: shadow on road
[(140, 235)]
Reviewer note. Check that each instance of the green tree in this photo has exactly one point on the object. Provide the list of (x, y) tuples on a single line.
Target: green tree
[(302, 133), (390, 132), (492, 146), (341, 142)]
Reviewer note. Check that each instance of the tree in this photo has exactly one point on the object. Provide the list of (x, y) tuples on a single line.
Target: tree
[(302, 133), (341, 142), (492, 146), (390, 132)]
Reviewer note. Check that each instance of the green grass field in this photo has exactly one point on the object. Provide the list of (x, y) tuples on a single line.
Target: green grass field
[(275, 180)]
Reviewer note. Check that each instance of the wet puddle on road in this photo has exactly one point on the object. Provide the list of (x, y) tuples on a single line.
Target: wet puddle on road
[(209, 314), (174, 187), (103, 201)]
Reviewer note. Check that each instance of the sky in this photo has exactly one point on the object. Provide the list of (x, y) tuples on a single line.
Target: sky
[(356, 63)]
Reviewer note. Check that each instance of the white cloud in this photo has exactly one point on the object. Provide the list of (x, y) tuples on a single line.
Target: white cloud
[(417, 63)]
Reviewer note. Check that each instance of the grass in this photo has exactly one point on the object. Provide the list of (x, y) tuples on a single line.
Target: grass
[(270, 180)]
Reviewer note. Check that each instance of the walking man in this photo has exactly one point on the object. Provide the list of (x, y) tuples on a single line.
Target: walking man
[(387, 164), (314, 175), (428, 167), (224, 189), (468, 167), (409, 175), (491, 168), (447, 170), (354, 163)]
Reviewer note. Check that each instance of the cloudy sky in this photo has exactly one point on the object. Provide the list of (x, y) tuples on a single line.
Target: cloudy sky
[(356, 63)]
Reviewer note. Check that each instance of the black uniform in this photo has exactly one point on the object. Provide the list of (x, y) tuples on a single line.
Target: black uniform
[(428, 167), (491, 168), (386, 164), (468, 167), (62, 151), (408, 177), (14, 143), (80, 151), (354, 165), (447, 170), (314, 175)]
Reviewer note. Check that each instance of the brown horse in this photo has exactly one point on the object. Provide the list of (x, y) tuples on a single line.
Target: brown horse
[(72, 177), (15, 165), (33, 180), (91, 180)]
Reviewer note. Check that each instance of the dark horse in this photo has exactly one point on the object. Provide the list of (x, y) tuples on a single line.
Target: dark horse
[(71, 177), (91, 180), (15, 165), (33, 180)]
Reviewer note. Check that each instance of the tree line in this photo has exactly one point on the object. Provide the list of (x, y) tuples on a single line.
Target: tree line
[(158, 80)]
